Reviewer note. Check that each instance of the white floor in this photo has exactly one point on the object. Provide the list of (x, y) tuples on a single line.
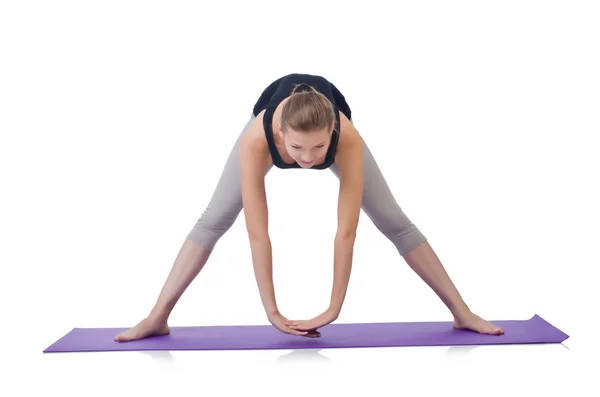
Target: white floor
[(570, 367), (499, 370), (114, 128)]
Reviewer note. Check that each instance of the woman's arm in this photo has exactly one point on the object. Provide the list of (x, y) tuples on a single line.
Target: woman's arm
[(254, 163), (349, 159), (350, 162)]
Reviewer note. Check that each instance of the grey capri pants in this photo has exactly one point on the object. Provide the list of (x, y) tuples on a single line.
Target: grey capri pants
[(378, 203)]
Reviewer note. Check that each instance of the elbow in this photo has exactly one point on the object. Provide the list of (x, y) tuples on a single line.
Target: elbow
[(346, 235), (258, 236)]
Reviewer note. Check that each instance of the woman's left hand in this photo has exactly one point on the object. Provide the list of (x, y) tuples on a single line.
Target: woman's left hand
[(311, 325)]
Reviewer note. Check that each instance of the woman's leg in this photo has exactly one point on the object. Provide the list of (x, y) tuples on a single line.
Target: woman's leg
[(218, 217), (382, 208)]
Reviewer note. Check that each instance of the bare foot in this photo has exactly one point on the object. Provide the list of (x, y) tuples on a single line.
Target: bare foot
[(146, 328), (475, 323)]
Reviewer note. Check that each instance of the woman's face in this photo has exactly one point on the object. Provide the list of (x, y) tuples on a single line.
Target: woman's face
[(307, 148)]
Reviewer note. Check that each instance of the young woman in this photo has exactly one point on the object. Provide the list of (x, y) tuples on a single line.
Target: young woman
[(302, 121)]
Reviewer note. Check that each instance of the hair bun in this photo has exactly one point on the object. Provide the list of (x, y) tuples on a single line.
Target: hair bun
[(302, 87)]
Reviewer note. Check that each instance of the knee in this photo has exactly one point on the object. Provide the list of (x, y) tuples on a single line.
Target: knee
[(214, 222), (402, 232)]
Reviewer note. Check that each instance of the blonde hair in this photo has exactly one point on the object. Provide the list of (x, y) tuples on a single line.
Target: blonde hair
[(307, 110)]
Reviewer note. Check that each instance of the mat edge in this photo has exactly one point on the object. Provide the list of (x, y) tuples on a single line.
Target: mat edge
[(49, 348), (537, 317)]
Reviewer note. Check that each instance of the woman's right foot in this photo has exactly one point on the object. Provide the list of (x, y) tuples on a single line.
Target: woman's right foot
[(146, 328)]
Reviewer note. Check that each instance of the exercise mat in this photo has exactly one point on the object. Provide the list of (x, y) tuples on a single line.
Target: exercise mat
[(248, 337)]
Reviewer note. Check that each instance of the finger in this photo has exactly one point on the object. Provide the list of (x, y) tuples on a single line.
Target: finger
[(303, 327), (295, 332), (285, 329), (307, 333)]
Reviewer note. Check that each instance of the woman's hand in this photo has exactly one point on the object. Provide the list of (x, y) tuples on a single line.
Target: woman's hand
[(313, 324), (280, 322)]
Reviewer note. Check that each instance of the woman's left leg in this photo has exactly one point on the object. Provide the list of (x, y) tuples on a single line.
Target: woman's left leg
[(381, 207)]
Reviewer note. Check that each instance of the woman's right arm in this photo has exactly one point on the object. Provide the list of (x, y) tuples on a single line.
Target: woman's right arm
[(254, 162)]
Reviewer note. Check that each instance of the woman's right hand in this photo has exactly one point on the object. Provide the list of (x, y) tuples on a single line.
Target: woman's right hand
[(278, 321)]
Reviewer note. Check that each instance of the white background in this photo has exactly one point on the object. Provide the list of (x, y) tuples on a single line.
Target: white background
[(117, 117)]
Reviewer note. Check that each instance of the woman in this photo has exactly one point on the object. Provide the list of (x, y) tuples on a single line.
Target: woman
[(302, 121)]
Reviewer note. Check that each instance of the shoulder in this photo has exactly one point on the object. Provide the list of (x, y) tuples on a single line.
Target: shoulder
[(350, 142), (254, 141)]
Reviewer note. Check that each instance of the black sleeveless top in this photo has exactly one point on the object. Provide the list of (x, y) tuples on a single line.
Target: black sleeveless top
[(280, 89)]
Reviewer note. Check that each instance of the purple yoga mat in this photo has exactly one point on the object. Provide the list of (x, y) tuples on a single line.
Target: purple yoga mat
[(247, 337)]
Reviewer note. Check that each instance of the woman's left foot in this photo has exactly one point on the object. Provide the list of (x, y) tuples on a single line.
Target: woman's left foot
[(475, 323)]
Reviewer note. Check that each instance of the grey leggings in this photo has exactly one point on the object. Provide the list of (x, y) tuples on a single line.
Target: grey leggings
[(378, 203)]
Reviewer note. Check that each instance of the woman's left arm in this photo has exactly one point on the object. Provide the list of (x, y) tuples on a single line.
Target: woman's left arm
[(349, 159), (350, 162)]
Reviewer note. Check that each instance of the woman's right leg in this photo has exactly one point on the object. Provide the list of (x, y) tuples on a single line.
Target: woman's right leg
[(218, 217)]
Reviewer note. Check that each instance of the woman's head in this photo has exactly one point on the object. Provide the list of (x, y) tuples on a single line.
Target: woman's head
[(307, 122)]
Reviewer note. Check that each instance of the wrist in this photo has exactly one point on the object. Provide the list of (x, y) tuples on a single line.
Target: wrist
[(272, 312), (334, 311)]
